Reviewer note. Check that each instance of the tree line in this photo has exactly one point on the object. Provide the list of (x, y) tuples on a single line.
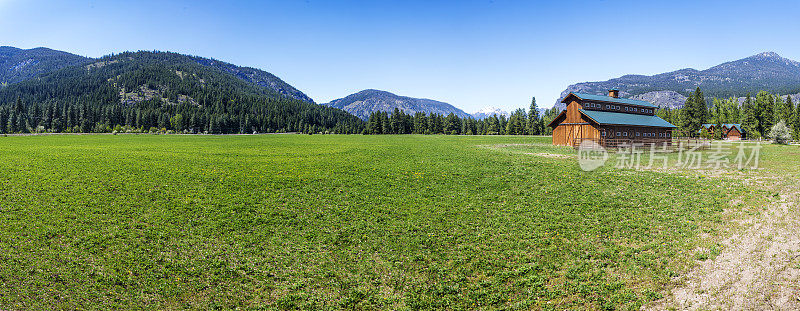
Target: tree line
[(519, 122), (757, 115)]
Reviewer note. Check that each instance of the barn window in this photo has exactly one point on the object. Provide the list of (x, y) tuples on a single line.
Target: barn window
[(608, 106), (625, 134), (634, 110), (618, 133), (604, 133), (637, 134)]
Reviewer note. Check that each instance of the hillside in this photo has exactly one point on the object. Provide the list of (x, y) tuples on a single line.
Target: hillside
[(18, 65), (164, 90), (765, 71), (258, 77), (363, 103)]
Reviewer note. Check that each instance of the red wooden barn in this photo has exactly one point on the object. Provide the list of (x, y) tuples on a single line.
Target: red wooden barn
[(608, 119)]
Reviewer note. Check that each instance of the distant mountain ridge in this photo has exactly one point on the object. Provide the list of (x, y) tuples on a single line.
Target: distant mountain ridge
[(365, 102), (488, 112), (766, 71)]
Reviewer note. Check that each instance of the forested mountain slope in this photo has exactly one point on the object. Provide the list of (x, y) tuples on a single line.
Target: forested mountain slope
[(18, 65), (162, 90)]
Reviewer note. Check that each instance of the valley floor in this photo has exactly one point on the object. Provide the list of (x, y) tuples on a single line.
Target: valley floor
[(384, 222)]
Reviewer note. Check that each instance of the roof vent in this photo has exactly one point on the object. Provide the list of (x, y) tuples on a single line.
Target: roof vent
[(613, 93)]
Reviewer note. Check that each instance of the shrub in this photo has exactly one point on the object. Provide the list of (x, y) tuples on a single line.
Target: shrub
[(780, 133)]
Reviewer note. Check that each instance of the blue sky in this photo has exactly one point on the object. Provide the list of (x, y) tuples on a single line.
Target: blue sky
[(471, 54)]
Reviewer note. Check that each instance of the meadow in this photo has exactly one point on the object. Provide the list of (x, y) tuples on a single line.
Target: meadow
[(402, 222)]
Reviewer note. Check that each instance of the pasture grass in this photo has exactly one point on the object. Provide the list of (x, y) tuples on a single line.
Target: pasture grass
[(344, 222)]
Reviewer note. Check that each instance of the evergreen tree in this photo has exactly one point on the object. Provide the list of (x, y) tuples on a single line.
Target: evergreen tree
[(750, 118), (516, 123), (503, 124), (534, 120), (764, 109), (493, 125), (453, 125), (700, 110), (689, 120), (386, 126), (794, 117)]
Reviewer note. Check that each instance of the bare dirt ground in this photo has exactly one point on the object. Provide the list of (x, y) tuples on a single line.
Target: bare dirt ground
[(552, 155), (758, 269)]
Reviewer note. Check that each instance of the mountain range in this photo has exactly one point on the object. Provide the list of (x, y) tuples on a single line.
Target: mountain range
[(58, 91), (488, 112), (365, 102), (43, 75), (766, 71)]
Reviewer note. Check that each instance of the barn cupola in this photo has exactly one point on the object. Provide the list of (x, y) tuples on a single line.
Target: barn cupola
[(613, 93)]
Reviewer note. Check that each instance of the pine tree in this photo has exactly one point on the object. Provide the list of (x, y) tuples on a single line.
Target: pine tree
[(783, 109), (701, 109), (795, 118), (18, 109), (764, 109), (534, 122), (718, 117), (688, 118), (386, 126), (750, 118)]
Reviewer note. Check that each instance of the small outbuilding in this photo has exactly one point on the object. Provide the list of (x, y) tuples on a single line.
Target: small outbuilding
[(733, 131), (730, 131)]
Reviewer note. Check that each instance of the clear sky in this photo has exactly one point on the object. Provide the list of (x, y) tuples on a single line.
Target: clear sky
[(471, 54)]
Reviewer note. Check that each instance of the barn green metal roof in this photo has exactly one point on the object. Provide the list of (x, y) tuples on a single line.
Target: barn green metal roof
[(609, 99), (605, 117)]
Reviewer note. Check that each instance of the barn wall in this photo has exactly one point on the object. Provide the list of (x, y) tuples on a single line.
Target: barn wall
[(574, 125)]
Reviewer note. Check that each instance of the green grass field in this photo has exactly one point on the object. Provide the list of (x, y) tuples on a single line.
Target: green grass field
[(355, 222)]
